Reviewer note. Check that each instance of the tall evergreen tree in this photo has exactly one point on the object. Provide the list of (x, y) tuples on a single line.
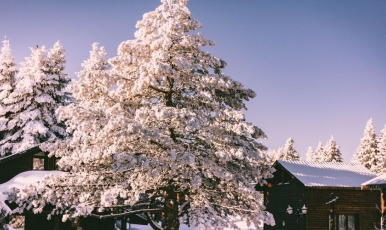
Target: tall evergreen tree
[(173, 138), (381, 161), (367, 152), (331, 152), (7, 79), (288, 152), (39, 91), (93, 98)]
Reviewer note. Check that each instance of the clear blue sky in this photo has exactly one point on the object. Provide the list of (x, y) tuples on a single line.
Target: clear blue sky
[(318, 67)]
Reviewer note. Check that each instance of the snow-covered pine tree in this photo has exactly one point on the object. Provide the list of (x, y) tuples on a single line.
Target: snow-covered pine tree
[(288, 152), (170, 138), (310, 155), (56, 87), (39, 91), (7, 79), (331, 152), (318, 152), (87, 115), (381, 161), (367, 152)]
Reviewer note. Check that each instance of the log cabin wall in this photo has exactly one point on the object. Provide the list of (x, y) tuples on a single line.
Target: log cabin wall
[(351, 201), (10, 168), (283, 190)]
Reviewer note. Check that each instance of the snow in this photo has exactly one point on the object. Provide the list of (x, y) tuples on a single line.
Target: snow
[(328, 174), (379, 181), (19, 181), (240, 224), (10, 228)]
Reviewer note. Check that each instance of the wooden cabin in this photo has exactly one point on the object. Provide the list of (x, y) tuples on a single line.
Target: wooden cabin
[(31, 159), (379, 183), (13, 166), (321, 195)]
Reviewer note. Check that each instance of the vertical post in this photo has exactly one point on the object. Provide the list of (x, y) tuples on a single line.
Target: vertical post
[(57, 223), (123, 223), (332, 214), (383, 207)]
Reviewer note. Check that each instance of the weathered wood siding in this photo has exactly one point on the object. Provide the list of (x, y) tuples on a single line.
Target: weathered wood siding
[(350, 201)]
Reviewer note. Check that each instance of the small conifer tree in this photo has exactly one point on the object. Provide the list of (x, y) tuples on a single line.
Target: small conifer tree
[(288, 152), (331, 152)]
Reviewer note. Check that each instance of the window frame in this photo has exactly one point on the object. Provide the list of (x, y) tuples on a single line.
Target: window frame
[(354, 215), (39, 156), (49, 163)]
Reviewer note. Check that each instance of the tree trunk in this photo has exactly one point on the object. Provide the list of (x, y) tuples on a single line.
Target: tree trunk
[(171, 221)]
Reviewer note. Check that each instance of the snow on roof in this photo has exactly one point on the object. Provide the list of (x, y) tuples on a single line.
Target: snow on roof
[(328, 174), (21, 152), (377, 182), (19, 181), (12, 156)]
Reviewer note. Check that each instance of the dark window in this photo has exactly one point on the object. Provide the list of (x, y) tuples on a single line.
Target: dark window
[(346, 222), (283, 177)]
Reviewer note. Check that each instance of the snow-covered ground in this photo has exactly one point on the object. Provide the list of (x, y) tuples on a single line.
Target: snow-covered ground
[(241, 225)]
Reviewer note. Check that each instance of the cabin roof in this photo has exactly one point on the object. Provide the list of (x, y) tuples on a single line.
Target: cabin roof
[(377, 182), (328, 174), (32, 150)]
